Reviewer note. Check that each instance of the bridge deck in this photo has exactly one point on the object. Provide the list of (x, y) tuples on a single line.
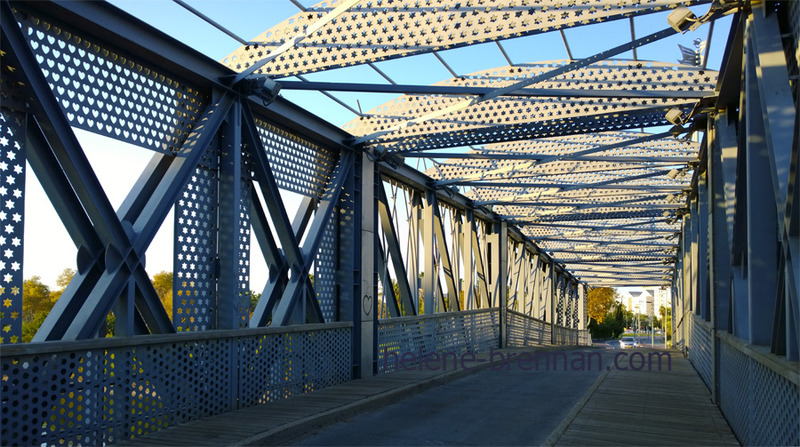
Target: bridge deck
[(647, 408), (616, 407)]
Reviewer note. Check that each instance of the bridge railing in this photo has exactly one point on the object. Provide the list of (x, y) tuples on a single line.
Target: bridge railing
[(523, 330), (757, 391), (102, 391), (450, 332)]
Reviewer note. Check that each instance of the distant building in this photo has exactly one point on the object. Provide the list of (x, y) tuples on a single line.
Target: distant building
[(644, 300)]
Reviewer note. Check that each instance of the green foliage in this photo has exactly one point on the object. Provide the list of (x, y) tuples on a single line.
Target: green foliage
[(35, 298), (613, 324), (32, 325), (253, 298), (666, 314), (111, 324), (162, 282)]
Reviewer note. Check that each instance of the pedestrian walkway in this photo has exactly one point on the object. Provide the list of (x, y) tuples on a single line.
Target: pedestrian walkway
[(628, 407), (500, 403)]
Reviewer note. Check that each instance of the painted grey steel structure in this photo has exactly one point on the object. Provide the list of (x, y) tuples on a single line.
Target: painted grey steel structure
[(555, 196), (735, 311)]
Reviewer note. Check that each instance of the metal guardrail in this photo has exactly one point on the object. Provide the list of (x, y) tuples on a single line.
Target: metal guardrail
[(451, 332), (523, 330), (102, 391), (758, 392)]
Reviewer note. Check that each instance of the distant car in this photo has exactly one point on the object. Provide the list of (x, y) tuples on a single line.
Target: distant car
[(628, 342)]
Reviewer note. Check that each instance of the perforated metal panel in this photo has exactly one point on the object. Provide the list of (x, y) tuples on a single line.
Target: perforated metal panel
[(279, 366), (12, 224), (383, 29), (451, 332), (794, 23), (243, 251), (116, 391), (105, 91), (516, 118), (325, 270), (559, 301), (298, 165), (195, 283)]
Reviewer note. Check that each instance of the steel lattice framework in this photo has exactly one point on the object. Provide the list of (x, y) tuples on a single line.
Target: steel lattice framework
[(540, 180), (601, 203)]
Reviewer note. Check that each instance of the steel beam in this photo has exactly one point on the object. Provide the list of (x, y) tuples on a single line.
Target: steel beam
[(395, 254), (479, 91)]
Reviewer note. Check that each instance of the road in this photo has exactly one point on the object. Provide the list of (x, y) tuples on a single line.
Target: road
[(510, 406), (644, 341)]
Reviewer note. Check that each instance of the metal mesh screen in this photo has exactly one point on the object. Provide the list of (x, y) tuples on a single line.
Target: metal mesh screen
[(12, 223), (453, 332), (761, 405), (65, 394), (699, 346)]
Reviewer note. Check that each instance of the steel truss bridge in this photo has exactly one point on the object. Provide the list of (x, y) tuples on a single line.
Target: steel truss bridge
[(546, 179)]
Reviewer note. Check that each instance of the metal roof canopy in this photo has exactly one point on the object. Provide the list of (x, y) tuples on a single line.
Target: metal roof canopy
[(547, 145)]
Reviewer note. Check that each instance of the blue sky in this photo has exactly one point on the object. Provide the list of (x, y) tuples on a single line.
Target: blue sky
[(48, 249)]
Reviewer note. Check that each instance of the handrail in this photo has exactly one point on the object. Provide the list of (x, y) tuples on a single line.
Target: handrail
[(778, 364), (52, 347), (411, 318), (520, 314)]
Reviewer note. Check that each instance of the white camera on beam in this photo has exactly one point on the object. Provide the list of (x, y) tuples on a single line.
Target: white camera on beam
[(682, 19), (676, 116)]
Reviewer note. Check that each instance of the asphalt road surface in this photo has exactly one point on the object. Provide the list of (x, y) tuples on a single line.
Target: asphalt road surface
[(509, 406)]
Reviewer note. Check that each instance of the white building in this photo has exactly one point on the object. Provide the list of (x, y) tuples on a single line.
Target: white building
[(644, 300)]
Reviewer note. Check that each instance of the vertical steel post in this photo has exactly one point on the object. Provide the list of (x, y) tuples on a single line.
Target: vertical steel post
[(468, 286), (367, 301), (703, 242), (229, 293), (428, 244), (501, 278), (762, 225), (413, 247), (551, 312), (722, 157)]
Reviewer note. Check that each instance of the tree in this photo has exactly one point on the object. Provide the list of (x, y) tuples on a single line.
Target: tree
[(30, 327), (162, 282), (253, 298), (64, 278), (35, 298), (599, 302), (613, 323), (666, 313), (62, 281)]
